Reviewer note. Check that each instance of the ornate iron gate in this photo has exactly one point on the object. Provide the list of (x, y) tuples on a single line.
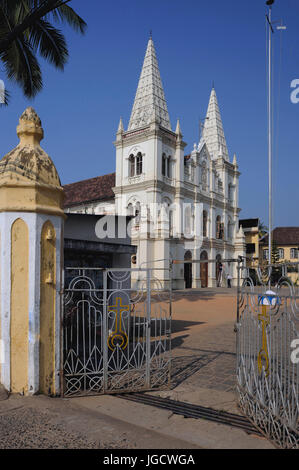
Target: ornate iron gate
[(116, 331), (267, 359)]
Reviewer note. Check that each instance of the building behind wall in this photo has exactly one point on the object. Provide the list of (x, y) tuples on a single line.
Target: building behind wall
[(286, 244), (252, 237), (184, 207)]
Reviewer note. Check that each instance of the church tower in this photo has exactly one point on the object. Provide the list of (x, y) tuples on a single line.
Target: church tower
[(149, 161)]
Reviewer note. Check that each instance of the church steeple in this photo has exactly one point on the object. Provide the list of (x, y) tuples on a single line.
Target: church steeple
[(213, 133), (150, 99)]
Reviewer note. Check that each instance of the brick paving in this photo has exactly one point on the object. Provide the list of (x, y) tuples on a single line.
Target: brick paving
[(204, 352)]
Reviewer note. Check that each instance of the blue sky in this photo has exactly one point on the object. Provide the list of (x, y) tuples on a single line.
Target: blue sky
[(197, 42)]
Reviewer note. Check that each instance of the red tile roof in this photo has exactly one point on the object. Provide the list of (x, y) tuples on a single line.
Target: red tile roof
[(94, 189), (284, 236)]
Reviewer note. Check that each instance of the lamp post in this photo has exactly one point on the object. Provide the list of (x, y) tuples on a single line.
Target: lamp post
[(269, 19)]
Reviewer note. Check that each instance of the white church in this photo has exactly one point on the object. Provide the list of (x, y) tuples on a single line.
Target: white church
[(185, 207)]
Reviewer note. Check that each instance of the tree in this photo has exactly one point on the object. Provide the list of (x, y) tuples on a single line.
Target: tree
[(26, 30), (263, 229)]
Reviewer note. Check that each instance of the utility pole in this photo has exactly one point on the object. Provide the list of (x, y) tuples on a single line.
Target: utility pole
[(270, 130), (271, 31)]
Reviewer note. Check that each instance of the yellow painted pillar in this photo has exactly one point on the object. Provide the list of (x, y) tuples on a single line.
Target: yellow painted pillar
[(31, 234)]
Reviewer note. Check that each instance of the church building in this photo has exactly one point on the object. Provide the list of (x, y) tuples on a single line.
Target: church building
[(184, 207)]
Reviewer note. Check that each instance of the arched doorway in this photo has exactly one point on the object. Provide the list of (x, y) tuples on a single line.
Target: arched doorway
[(204, 269), (218, 270), (188, 270)]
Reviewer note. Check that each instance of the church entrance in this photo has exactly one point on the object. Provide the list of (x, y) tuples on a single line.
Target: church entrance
[(188, 270), (204, 269)]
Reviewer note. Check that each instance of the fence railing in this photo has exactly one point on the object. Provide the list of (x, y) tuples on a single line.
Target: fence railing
[(268, 351)]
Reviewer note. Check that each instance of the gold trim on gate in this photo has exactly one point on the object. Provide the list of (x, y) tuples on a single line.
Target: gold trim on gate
[(118, 309), (263, 354)]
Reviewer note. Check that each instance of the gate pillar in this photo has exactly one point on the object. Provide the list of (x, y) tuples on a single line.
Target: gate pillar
[(31, 244)]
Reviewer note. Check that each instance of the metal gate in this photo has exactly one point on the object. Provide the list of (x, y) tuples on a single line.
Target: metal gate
[(268, 351), (116, 331)]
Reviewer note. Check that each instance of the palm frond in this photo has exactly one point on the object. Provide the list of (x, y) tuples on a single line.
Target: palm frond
[(26, 30), (66, 14), (49, 42), (22, 66)]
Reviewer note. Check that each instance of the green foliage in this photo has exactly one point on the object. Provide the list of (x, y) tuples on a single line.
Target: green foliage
[(26, 31), (276, 271), (263, 229)]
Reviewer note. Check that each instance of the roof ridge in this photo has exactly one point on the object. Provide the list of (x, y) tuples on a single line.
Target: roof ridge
[(89, 179)]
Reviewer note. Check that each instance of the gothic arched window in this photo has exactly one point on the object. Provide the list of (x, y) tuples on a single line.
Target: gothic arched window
[(137, 213), (164, 164), (131, 165), (204, 223), (130, 210), (168, 167), (219, 228), (139, 164)]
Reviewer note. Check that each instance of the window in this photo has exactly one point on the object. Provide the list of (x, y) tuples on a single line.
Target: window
[(281, 253), (135, 165), (265, 254), (250, 248), (137, 213), (294, 253), (230, 229), (132, 165), (139, 164), (219, 228), (204, 223), (130, 210), (166, 166)]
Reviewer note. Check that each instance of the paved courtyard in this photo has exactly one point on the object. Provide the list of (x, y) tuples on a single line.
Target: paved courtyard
[(204, 342)]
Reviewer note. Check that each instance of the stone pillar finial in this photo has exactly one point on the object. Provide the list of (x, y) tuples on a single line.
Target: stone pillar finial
[(29, 130), (31, 247)]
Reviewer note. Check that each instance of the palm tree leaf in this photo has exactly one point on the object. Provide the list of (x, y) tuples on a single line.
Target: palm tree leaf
[(22, 66), (49, 42), (66, 14)]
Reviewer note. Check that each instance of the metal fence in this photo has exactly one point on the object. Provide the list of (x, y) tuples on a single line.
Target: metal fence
[(116, 331), (268, 351)]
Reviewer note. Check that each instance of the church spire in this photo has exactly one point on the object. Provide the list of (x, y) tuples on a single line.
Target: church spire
[(150, 99), (213, 133)]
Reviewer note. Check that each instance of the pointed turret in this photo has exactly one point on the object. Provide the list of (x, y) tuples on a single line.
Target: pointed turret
[(120, 129), (178, 129), (213, 133), (235, 163), (150, 99)]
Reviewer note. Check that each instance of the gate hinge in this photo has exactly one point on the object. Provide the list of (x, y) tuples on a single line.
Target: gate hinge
[(237, 327)]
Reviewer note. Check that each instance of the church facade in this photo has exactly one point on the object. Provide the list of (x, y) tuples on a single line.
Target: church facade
[(185, 207)]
